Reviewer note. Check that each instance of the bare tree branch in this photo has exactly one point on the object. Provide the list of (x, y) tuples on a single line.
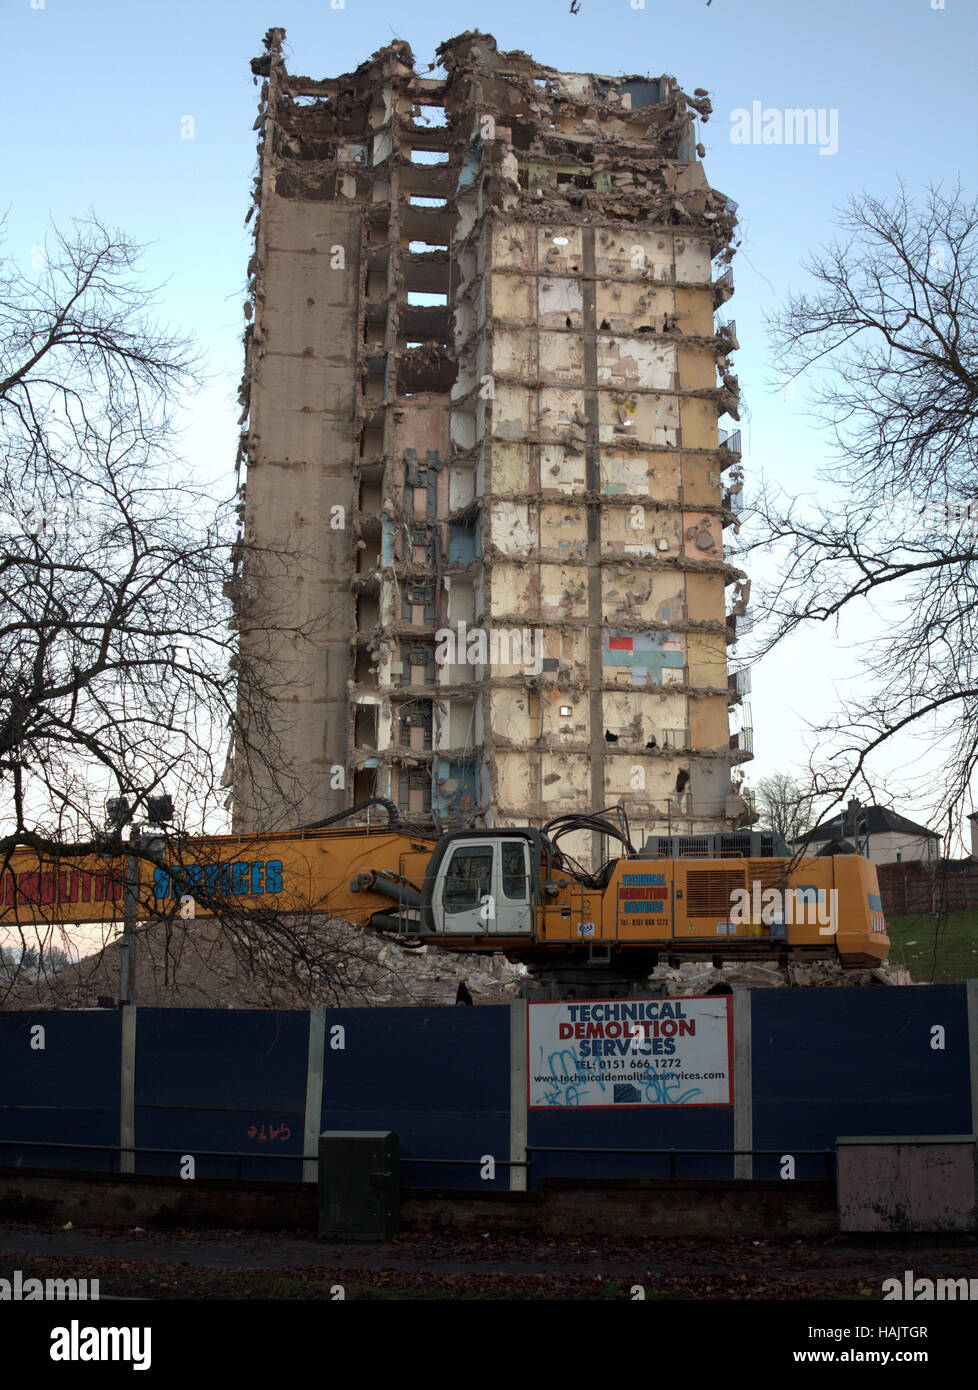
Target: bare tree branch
[(119, 665), (888, 343)]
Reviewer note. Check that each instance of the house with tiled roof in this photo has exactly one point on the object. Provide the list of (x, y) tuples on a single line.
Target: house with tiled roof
[(875, 831)]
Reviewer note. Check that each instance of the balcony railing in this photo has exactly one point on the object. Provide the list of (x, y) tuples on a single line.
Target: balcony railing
[(740, 625), (723, 287), (738, 683), (743, 740)]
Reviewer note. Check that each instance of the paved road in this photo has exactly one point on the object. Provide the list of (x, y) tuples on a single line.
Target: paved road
[(448, 1254)]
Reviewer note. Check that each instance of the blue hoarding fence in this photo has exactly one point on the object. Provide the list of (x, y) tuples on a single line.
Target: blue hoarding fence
[(247, 1093), (828, 1155), (113, 1149)]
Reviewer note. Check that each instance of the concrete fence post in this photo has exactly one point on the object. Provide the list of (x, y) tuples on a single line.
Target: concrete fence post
[(973, 1050), (517, 1093), (314, 1092), (743, 1096), (127, 1097)]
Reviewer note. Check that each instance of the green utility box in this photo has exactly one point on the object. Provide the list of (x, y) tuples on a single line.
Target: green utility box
[(359, 1184)]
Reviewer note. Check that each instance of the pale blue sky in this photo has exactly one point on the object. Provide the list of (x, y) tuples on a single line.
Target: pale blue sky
[(97, 94)]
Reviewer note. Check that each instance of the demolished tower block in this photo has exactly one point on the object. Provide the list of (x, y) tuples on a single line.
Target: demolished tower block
[(482, 386)]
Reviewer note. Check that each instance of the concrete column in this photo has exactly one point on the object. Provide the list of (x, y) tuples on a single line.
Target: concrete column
[(743, 1095), (127, 1098), (314, 1091), (592, 457), (517, 1093)]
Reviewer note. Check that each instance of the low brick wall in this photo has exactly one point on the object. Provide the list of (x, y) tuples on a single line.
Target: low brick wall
[(650, 1207), (51, 1195), (922, 887)]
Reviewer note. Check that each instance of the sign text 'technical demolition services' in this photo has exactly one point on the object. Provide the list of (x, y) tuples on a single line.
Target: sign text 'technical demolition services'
[(623, 1052)]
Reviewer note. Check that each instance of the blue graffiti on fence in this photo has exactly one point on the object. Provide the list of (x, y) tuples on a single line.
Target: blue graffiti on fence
[(660, 1088), (567, 1080)]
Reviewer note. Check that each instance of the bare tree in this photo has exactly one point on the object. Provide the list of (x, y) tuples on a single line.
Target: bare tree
[(888, 343), (784, 805), (119, 670)]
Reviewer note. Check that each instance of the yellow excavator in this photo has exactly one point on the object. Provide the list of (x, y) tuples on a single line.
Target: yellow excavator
[(724, 896)]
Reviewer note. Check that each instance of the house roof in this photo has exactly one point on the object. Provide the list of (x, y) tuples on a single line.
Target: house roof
[(878, 818)]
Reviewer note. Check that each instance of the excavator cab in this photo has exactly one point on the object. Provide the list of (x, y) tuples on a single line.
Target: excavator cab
[(482, 883)]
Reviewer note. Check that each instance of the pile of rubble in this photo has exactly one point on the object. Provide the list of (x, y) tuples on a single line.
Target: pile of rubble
[(701, 978), (198, 966), (301, 962)]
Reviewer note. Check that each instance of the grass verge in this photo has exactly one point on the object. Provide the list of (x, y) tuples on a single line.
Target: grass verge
[(936, 950)]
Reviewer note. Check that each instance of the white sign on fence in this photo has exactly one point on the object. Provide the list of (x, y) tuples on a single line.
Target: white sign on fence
[(623, 1052)]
